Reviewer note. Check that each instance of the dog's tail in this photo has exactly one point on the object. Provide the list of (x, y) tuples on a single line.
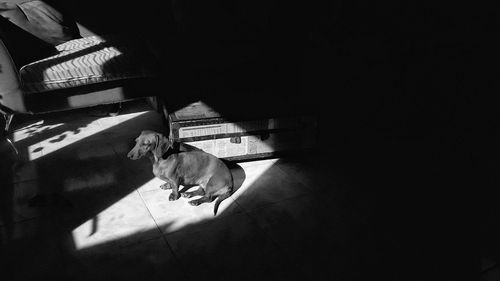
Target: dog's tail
[(221, 198), (224, 196)]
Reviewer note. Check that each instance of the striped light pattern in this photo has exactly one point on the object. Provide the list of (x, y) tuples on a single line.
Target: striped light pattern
[(83, 61)]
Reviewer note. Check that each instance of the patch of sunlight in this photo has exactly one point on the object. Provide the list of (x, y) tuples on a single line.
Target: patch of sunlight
[(84, 31), (253, 171), (175, 215), (147, 211), (138, 215), (32, 130), (73, 135), (124, 222)]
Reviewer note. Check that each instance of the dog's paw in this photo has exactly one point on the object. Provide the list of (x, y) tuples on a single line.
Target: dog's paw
[(173, 197), (194, 202), (187, 195), (166, 186)]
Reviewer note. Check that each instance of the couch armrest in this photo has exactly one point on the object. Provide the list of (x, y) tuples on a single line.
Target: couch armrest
[(11, 95)]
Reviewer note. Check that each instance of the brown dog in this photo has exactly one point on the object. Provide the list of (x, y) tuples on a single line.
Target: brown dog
[(189, 168)]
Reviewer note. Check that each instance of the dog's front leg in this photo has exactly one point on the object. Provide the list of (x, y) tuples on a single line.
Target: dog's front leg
[(166, 186), (170, 184), (175, 191)]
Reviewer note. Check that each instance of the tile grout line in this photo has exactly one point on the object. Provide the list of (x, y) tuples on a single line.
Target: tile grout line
[(163, 236), (149, 212)]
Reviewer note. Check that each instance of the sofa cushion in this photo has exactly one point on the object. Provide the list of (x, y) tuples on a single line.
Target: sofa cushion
[(23, 47), (32, 29), (41, 20), (88, 60), (48, 23)]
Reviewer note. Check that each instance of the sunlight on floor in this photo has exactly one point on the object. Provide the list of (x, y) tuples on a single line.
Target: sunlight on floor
[(128, 217), (146, 212), (32, 129), (253, 171), (67, 137)]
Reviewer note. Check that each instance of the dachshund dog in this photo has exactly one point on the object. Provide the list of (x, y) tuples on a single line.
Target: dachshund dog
[(187, 168)]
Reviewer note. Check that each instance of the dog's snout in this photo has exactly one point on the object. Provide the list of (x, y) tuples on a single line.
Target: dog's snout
[(132, 155)]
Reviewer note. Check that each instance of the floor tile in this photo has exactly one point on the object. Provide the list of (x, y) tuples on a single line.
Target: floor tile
[(284, 221), (17, 207), (315, 235), (3, 237), (27, 131), (491, 275), (175, 215), (28, 150), (127, 221), (70, 135), (292, 221), (129, 125), (230, 248), (81, 169), (123, 146), (139, 171), (26, 171), (148, 260), (265, 183), (152, 185), (313, 175), (34, 251), (487, 264)]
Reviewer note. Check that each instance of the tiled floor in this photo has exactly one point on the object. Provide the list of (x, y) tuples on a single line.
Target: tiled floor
[(106, 218)]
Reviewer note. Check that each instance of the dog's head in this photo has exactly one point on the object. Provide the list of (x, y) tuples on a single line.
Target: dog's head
[(149, 141)]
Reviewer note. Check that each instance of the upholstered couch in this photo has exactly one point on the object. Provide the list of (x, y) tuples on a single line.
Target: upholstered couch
[(47, 65), (241, 58), (85, 72)]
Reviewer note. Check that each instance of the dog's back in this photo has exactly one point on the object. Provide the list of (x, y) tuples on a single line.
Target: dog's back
[(197, 167), (201, 168)]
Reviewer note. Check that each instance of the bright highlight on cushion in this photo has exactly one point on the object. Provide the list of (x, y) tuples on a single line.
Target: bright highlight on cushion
[(86, 61)]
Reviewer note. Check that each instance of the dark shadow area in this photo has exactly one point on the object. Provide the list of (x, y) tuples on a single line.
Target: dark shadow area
[(389, 83), (8, 164), (328, 234), (227, 52), (398, 127)]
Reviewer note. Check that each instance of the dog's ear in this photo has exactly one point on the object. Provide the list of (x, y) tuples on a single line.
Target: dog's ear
[(162, 145)]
